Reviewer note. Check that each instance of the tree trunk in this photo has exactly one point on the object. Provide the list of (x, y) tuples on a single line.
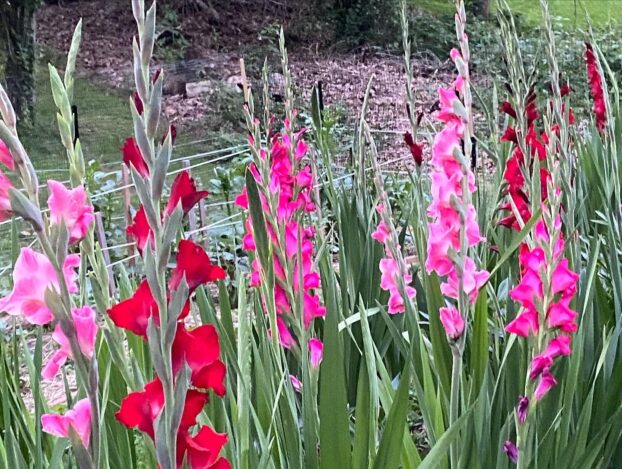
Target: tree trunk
[(19, 24), (481, 7)]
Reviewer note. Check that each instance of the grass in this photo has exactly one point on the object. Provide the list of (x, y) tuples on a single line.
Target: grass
[(104, 121), (570, 11)]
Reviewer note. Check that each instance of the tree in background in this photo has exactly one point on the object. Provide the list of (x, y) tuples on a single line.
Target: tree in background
[(17, 24), (480, 7)]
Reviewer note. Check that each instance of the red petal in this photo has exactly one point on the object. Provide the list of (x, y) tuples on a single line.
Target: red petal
[(140, 230), (138, 103), (133, 314), (139, 409), (507, 108), (184, 189), (195, 265), (212, 377), (204, 448), (195, 401), (133, 157)]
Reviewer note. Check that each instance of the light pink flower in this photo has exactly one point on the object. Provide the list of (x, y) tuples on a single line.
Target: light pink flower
[(32, 275), (296, 384), (70, 206), (316, 352), (452, 321), (78, 418), (381, 234), (86, 331)]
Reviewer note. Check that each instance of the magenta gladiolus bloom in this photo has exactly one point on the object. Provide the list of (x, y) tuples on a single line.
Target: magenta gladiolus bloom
[(452, 321), (316, 352), (511, 451), (5, 202), (32, 275), (86, 331), (547, 381), (70, 206), (5, 156), (521, 410), (78, 418)]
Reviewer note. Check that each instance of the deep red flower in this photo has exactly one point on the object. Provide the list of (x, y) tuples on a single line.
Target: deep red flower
[(194, 263), (173, 131), (416, 149), (596, 87), (565, 90), (508, 109), (140, 409), (184, 190), (140, 108), (133, 157), (140, 230), (509, 135), (199, 348), (204, 448), (133, 313)]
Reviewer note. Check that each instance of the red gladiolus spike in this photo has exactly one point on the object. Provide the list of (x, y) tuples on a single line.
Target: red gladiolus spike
[(195, 265), (416, 150), (140, 230), (133, 157), (184, 190), (596, 87), (133, 314), (204, 449)]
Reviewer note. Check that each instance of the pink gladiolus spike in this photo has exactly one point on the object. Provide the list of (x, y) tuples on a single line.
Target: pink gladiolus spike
[(316, 352), (70, 206), (5, 156), (547, 381), (32, 276), (452, 321), (78, 418)]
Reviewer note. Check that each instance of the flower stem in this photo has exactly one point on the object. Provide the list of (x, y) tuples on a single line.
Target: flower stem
[(454, 400)]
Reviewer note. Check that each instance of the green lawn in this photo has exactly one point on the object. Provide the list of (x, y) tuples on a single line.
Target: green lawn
[(600, 11), (104, 121)]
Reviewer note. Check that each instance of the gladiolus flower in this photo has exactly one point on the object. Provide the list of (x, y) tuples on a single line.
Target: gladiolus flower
[(204, 448), (133, 313), (296, 384), (140, 230), (416, 149), (138, 103), (194, 265), (5, 156), (521, 410), (452, 322), (86, 332), (511, 451), (316, 352), (70, 207), (547, 381), (199, 348), (32, 276), (140, 409), (596, 87), (78, 418), (132, 157), (5, 200), (184, 190)]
